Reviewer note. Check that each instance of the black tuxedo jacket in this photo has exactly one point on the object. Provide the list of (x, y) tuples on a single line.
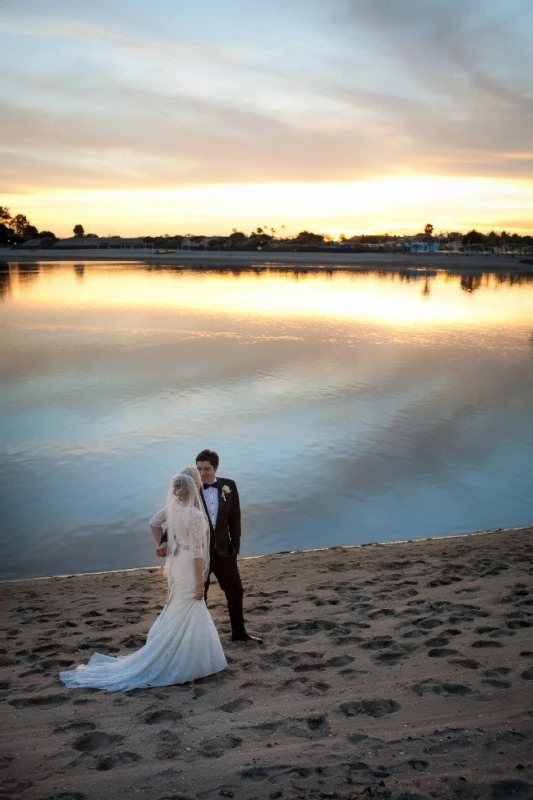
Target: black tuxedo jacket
[(225, 539)]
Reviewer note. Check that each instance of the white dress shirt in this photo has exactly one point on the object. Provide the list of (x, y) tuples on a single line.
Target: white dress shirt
[(211, 500)]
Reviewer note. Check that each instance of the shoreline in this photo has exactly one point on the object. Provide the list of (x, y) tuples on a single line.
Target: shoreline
[(390, 671), (332, 547), (281, 260)]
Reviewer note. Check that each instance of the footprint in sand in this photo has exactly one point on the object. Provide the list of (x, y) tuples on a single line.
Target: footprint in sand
[(113, 760), (507, 737), (378, 643), (135, 640), (215, 748), (443, 689), (515, 624), (96, 740), (503, 790), (418, 765), (8, 661), (371, 708), (39, 701), (55, 664), (437, 641), (390, 657), (497, 672), (50, 647), (459, 743), (485, 644), (239, 704), (467, 663), (158, 717), (498, 684), (441, 652), (75, 727)]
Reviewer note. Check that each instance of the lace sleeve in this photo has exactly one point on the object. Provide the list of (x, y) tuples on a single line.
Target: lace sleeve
[(198, 528), (159, 518)]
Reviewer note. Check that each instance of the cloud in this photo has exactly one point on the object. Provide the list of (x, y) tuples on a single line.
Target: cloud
[(351, 90)]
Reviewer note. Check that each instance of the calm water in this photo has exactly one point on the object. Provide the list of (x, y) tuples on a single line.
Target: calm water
[(350, 408)]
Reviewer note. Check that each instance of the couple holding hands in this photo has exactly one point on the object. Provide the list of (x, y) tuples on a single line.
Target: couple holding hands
[(203, 531)]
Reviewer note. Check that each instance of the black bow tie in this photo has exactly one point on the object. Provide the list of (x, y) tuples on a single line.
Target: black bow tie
[(210, 485)]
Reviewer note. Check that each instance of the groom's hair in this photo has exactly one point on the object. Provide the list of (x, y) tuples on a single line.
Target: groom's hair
[(209, 455)]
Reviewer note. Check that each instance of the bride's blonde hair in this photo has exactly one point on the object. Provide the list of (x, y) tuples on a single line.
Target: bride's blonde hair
[(193, 473)]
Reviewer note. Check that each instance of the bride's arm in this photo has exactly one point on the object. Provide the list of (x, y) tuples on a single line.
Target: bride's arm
[(199, 578), (156, 524), (197, 532)]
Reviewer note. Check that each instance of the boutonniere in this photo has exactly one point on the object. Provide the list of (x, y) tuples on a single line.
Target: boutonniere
[(225, 490)]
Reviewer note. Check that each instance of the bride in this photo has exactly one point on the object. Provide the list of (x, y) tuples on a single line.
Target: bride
[(183, 643)]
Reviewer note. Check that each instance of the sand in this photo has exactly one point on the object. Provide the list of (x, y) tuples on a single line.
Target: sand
[(450, 262), (388, 671)]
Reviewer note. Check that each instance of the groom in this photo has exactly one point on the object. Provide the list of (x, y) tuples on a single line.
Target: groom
[(221, 502)]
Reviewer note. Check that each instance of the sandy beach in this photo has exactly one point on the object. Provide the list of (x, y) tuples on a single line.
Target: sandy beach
[(453, 262), (398, 671)]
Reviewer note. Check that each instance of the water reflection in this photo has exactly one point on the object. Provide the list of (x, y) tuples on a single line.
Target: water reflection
[(349, 407)]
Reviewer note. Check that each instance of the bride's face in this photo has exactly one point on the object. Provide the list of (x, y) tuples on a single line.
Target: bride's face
[(207, 471)]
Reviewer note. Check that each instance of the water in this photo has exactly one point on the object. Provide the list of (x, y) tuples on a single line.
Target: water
[(349, 407)]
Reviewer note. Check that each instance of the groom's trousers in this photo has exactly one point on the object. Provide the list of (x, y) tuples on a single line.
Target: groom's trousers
[(226, 571)]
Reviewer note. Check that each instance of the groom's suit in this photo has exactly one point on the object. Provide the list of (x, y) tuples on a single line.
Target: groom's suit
[(226, 533), (225, 542)]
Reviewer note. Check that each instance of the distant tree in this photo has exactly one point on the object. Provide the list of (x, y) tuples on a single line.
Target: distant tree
[(428, 230), (47, 235), (91, 236), (19, 223), (30, 232), (5, 216), (237, 238), (306, 237), (78, 230), (6, 235), (474, 237), (493, 240)]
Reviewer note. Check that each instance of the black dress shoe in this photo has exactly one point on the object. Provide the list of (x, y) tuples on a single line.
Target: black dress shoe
[(247, 638)]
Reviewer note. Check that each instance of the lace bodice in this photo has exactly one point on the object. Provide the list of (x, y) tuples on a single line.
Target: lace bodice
[(193, 535), (160, 518), (191, 530)]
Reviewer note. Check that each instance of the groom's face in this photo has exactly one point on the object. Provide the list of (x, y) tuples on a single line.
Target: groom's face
[(207, 471)]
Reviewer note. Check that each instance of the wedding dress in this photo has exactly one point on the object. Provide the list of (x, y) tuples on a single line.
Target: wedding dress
[(183, 643)]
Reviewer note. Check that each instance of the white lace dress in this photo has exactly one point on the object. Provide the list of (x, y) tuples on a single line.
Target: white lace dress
[(182, 644)]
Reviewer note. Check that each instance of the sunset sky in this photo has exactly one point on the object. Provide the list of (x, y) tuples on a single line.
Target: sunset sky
[(137, 117)]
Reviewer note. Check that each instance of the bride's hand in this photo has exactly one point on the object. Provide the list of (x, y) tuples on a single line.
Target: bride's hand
[(199, 592), (162, 550)]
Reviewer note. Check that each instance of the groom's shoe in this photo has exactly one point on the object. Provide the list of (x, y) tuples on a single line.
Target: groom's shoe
[(246, 637)]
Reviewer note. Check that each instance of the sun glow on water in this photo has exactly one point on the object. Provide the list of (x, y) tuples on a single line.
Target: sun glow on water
[(355, 297)]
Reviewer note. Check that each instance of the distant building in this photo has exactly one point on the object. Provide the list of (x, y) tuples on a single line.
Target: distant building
[(424, 247), (102, 243)]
